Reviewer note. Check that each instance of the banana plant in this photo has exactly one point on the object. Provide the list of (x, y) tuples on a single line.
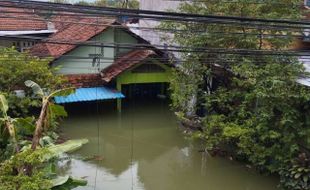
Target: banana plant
[(7, 121), (45, 113)]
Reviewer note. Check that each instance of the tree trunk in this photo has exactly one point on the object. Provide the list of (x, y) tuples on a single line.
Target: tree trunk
[(39, 125)]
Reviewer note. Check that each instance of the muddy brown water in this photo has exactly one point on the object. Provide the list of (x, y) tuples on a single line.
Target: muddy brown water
[(143, 149)]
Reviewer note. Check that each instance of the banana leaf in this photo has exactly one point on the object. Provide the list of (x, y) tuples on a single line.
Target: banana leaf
[(67, 183), (66, 147), (3, 104), (35, 88)]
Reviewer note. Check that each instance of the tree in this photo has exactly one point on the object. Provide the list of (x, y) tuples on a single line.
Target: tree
[(15, 68), (255, 110), (48, 110), (7, 122), (60, 1), (130, 4)]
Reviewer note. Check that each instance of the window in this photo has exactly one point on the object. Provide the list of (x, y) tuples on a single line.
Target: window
[(307, 3), (306, 34), (17, 45)]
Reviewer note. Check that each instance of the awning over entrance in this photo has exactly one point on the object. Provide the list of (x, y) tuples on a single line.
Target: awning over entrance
[(89, 94)]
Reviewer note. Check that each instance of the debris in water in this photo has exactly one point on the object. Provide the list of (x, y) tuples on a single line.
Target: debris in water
[(95, 157)]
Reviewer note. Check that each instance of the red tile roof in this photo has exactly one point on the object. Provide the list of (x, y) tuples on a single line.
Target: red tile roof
[(70, 33), (17, 19), (125, 62), (84, 80)]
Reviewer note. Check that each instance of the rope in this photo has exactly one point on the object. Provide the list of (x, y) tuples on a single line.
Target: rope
[(97, 108)]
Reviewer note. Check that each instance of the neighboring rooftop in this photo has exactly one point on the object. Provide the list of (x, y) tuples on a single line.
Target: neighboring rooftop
[(70, 32), (16, 19)]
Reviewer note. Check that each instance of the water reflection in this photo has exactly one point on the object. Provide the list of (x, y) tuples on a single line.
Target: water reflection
[(143, 149)]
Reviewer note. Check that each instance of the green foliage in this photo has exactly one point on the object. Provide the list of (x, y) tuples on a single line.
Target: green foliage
[(184, 84), (256, 109), (67, 183), (13, 176), (25, 126), (13, 172), (296, 174), (66, 147), (262, 116), (15, 68), (4, 106), (53, 111), (132, 4), (7, 125)]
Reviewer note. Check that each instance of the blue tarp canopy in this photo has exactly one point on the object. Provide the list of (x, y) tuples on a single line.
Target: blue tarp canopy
[(89, 94)]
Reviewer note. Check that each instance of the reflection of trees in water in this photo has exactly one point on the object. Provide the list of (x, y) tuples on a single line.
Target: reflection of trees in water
[(163, 159), (155, 131), (183, 169)]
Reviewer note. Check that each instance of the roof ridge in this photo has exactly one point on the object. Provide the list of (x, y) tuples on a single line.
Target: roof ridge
[(70, 32), (123, 63)]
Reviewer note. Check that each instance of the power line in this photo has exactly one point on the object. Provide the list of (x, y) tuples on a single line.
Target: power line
[(177, 50), (173, 48), (258, 2), (150, 14), (103, 44), (137, 27), (215, 59), (116, 25)]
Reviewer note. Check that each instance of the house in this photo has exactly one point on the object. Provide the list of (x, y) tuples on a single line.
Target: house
[(304, 44), (15, 22), (99, 56), (154, 37)]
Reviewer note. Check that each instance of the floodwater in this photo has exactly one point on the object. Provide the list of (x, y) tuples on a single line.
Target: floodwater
[(143, 149)]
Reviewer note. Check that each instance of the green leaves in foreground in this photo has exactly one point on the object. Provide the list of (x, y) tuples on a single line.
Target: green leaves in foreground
[(4, 107), (66, 147), (67, 183), (13, 172), (251, 104), (35, 88)]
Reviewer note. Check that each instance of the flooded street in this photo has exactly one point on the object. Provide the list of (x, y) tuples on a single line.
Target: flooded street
[(143, 149)]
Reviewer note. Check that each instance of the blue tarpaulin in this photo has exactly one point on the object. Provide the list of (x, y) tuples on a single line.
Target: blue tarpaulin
[(89, 94)]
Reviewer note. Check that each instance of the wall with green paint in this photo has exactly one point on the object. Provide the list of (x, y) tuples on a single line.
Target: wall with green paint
[(124, 37), (128, 77), (69, 65)]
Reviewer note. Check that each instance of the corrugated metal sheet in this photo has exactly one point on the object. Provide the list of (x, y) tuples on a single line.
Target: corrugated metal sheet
[(89, 94), (304, 81)]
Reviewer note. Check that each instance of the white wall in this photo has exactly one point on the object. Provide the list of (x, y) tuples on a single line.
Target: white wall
[(155, 5)]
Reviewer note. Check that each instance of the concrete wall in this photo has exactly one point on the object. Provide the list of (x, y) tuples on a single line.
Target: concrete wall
[(155, 5), (6, 43), (124, 37), (69, 65), (20, 45), (129, 77)]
